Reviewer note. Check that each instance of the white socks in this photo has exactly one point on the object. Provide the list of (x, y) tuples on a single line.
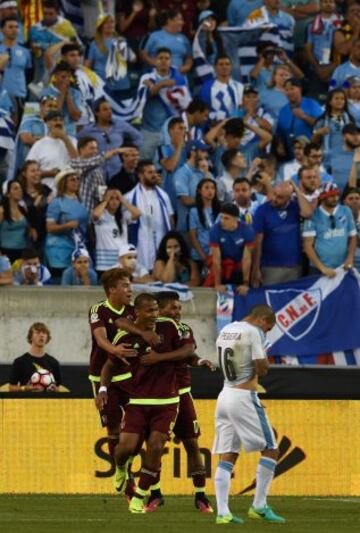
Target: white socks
[(222, 486), (264, 476)]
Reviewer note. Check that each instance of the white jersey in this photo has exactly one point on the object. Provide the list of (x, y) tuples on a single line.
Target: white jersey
[(238, 345), (109, 239)]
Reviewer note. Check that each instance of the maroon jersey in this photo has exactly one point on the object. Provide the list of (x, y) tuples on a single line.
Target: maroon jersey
[(155, 384), (103, 315), (183, 375)]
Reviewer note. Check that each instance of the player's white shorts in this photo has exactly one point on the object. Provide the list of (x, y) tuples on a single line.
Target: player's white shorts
[(240, 420)]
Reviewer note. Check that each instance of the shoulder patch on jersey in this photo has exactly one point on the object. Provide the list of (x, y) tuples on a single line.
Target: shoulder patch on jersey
[(94, 317)]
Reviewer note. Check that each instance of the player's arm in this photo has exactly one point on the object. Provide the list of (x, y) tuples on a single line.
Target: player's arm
[(150, 337), (261, 366), (107, 372), (195, 361), (182, 353), (120, 350)]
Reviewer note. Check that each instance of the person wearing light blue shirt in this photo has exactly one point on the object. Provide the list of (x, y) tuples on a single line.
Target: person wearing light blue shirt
[(285, 24), (239, 10), (14, 79), (348, 69), (330, 234), (341, 161), (170, 37), (69, 123)]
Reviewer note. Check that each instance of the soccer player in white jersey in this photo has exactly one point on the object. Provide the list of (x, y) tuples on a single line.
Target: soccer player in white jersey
[(240, 420)]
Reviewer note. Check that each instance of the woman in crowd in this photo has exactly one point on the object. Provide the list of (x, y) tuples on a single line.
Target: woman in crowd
[(328, 128), (36, 196), (66, 222), (274, 98), (202, 218), (109, 55), (111, 218), (173, 263), (16, 232)]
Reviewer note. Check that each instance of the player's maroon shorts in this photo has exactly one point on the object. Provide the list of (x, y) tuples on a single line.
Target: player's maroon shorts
[(143, 419), (113, 412), (187, 425)]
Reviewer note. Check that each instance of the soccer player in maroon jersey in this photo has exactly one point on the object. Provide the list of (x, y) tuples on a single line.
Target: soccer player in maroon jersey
[(154, 396)]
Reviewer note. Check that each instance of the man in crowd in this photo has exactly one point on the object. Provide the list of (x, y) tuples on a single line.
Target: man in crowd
[(80, 271), (29, 270), (234, 165), (127, 178), (243, 199)]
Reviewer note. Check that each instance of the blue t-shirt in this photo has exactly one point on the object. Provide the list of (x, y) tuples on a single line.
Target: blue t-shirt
[(69, 277), (273, 101), (69, 124), (340, 167), (186, 179), (289, 126), (232, 243), (202, 232), (321, 43), (99, 60), (14, 80), (177, 43), (60, 246), (281, 246), (5, 264), (165, 151), (156, 113), (331, 234), (333, 141), (239, 10), (342, 73), (264, 77)]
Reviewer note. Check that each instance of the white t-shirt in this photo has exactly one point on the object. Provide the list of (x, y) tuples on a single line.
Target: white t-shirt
[(109, 239), (238, 345), (50, 153)]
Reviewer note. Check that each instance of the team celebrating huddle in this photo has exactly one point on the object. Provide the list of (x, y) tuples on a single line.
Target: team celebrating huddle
[(139, 369)]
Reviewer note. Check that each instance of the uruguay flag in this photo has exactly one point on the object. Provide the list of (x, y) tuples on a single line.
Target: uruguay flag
[(313, 316)]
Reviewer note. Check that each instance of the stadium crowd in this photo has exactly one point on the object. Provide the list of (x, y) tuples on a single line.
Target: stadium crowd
[(198, 142)]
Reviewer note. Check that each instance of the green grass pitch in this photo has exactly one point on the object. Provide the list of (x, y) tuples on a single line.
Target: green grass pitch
[(109, 514)]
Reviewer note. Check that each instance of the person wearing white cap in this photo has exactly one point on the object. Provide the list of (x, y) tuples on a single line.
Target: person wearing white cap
[(80, 271), (66, 222), (128, 261)]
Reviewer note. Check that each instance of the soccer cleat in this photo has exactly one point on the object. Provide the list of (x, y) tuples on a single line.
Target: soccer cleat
[(155, 500), (228, 519), (137, 506), (266, 514), (120, 478), (203, 504)]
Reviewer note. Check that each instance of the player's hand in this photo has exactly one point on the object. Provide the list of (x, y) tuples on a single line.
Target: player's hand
[(124, 350), (151, 338), (101, 400), (329, 272), (207, 363), (150, 358)]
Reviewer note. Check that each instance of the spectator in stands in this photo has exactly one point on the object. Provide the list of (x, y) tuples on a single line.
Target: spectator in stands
[(19, 61), (309, 184), (298, 117), (33, 127), (10, 8), (274, 98), (36, 196), (158, 109), (234, 165), (127, 178), (262, 72), (15, 229), (29, 271), (353, 94), (54, 151), (186, 9), (6, 277), (80, 272), (222, 94), (347, 34), (111, 218), (169, 36), (314, 159), (110, 133), (51, 30), (328, 127), (66, 222), (173, 263), (201, 219), (341, 161), (244, 199), (289, 169), (135, 19), (208, 38), (186, 180), (225, 135), (330, 236), (128, 260), (351, 199), (349, 68), (156, 214), (195, 119), (67, 96), (36, 358), (239, 10), (230, 243), (278, 240), (108, 56)]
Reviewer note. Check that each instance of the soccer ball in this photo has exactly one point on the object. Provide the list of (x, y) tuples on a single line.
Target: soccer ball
[(43, 379)]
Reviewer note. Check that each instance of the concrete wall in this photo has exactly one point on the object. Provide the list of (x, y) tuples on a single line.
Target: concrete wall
[(64, 310)]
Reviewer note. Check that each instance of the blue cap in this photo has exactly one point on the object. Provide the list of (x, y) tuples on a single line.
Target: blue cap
[(190, 146), (205, 14)]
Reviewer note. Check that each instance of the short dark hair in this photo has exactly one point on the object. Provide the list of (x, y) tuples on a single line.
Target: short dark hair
[(264, 44), (83, 141), (173, 121), (30, 253), (51, 4), (144, 298), (234, 126), (62, 66), (167, 15), (263, 311), (70, 47), (10, 18), (164, 297), (222, 56), (144, 163), (302, 170), (228, 156), (241, 180), (111, 277), (311, 146), (197, 105), (350, 190), (230, 209), (98, 102), (163, 50)]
